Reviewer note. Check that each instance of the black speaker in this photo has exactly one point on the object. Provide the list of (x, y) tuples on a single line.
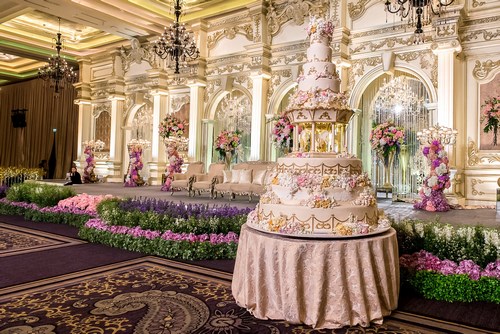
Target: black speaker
[(18, 117)]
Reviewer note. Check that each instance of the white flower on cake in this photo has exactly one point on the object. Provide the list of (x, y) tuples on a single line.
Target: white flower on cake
[(366, 198), (319, 27), (270, 197), (320, 201)]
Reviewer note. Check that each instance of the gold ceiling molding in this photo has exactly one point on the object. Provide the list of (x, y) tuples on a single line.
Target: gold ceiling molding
[(486, 35), (390, 42), (357, 10), (358, 69), (230, 33), (277, 77), (476, 3), (482, 69), (481, 21), (428, 60), (99, 108), (293, 10), (475, 158)]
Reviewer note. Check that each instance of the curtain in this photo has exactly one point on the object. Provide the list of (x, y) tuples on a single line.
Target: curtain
[(26, 147)]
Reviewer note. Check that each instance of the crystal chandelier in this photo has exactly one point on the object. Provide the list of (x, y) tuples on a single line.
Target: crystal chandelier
[(418, 12), (57, 71), (235, 113), (397, 97), (176, 43)]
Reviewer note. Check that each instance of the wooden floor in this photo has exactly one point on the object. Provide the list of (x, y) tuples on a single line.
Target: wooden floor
[(396, 210)]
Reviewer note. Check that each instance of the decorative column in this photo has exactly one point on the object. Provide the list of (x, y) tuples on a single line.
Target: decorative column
[(116, 145), (259, 107), (208, 141), (84, 108), (157, 164), (196, 90), (445, 46)]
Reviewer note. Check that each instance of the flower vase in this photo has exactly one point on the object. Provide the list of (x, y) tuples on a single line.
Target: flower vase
[(495, 131), (227, 159), (388, 163)]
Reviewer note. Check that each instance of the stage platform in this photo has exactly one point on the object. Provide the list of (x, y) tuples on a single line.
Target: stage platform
[(396, 210)]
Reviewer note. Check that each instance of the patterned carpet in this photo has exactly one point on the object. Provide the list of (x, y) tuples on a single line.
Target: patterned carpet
[(83, 288), (18, 240)]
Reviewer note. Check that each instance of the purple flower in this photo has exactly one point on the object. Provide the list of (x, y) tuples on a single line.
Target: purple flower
[(426, 149)]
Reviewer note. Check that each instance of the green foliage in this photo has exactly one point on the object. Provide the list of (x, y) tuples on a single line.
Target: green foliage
[(7, 209), (58, 218), (448, 242), (110, 212), (41, 194), (184, 250), (453, 288)]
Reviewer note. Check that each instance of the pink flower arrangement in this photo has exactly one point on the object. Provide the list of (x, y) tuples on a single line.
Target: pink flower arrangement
[(437, 181), (491, 114), (172, 127), (227, 142), (83, 202), (424, 260), (282, 133), (387, 137), (174, 166), (88, 170), (133, 178), (137, 232)]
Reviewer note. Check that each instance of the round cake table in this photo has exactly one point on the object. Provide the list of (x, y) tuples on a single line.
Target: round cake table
[(324, 283)]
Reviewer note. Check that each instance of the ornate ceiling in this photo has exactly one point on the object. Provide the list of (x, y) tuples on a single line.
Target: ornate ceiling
[(27, 27)]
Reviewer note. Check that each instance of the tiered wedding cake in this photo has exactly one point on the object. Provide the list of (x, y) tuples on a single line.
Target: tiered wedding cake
[(318, 193)]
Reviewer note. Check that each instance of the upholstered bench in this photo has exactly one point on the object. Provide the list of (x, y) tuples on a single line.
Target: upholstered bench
[(247, 178)]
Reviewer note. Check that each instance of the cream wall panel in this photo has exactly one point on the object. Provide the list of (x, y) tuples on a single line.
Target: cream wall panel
[(227, 46), (290, 32), (101, 71)]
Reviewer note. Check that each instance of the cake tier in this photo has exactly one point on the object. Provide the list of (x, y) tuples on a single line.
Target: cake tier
[(321, 164), (326, 100), (301, 196), (312, 82), (341, 220), (320, 38), (319, 52), (320, 69)]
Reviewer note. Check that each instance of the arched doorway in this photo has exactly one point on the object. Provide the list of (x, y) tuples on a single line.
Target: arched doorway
[(404, 99)]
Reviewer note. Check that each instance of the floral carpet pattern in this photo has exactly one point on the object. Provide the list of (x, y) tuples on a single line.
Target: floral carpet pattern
[(18, 240), (152, 295)]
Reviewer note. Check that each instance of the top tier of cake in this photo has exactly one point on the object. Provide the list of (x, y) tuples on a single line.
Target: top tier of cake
[(317, 98)]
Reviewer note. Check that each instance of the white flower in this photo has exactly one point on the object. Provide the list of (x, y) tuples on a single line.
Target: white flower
[(432, 181), (382, 142), (427, 191)]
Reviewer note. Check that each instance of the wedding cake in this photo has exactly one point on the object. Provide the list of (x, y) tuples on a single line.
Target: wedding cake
[(318, 193)]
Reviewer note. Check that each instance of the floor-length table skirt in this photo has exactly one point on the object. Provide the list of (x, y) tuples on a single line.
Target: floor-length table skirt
[(324, 283)]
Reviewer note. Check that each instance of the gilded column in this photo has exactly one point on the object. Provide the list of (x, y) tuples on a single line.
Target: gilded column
[(259, 107), (197, 90)]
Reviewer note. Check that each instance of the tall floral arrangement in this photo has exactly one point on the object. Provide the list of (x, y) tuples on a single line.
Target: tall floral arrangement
[(431, 192), (386, 138), (491, 114), (175, 163), (133, 179), (227, 142), (282, 133), (88, 170), (171, 126)]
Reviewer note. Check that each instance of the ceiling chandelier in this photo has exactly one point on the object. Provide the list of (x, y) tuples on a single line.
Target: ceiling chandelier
[(57, 71), (176, 44), (418, 12), (235, 113), (397, 98)]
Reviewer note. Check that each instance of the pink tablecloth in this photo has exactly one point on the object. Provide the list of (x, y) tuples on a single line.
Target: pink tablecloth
[(322, 283)]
